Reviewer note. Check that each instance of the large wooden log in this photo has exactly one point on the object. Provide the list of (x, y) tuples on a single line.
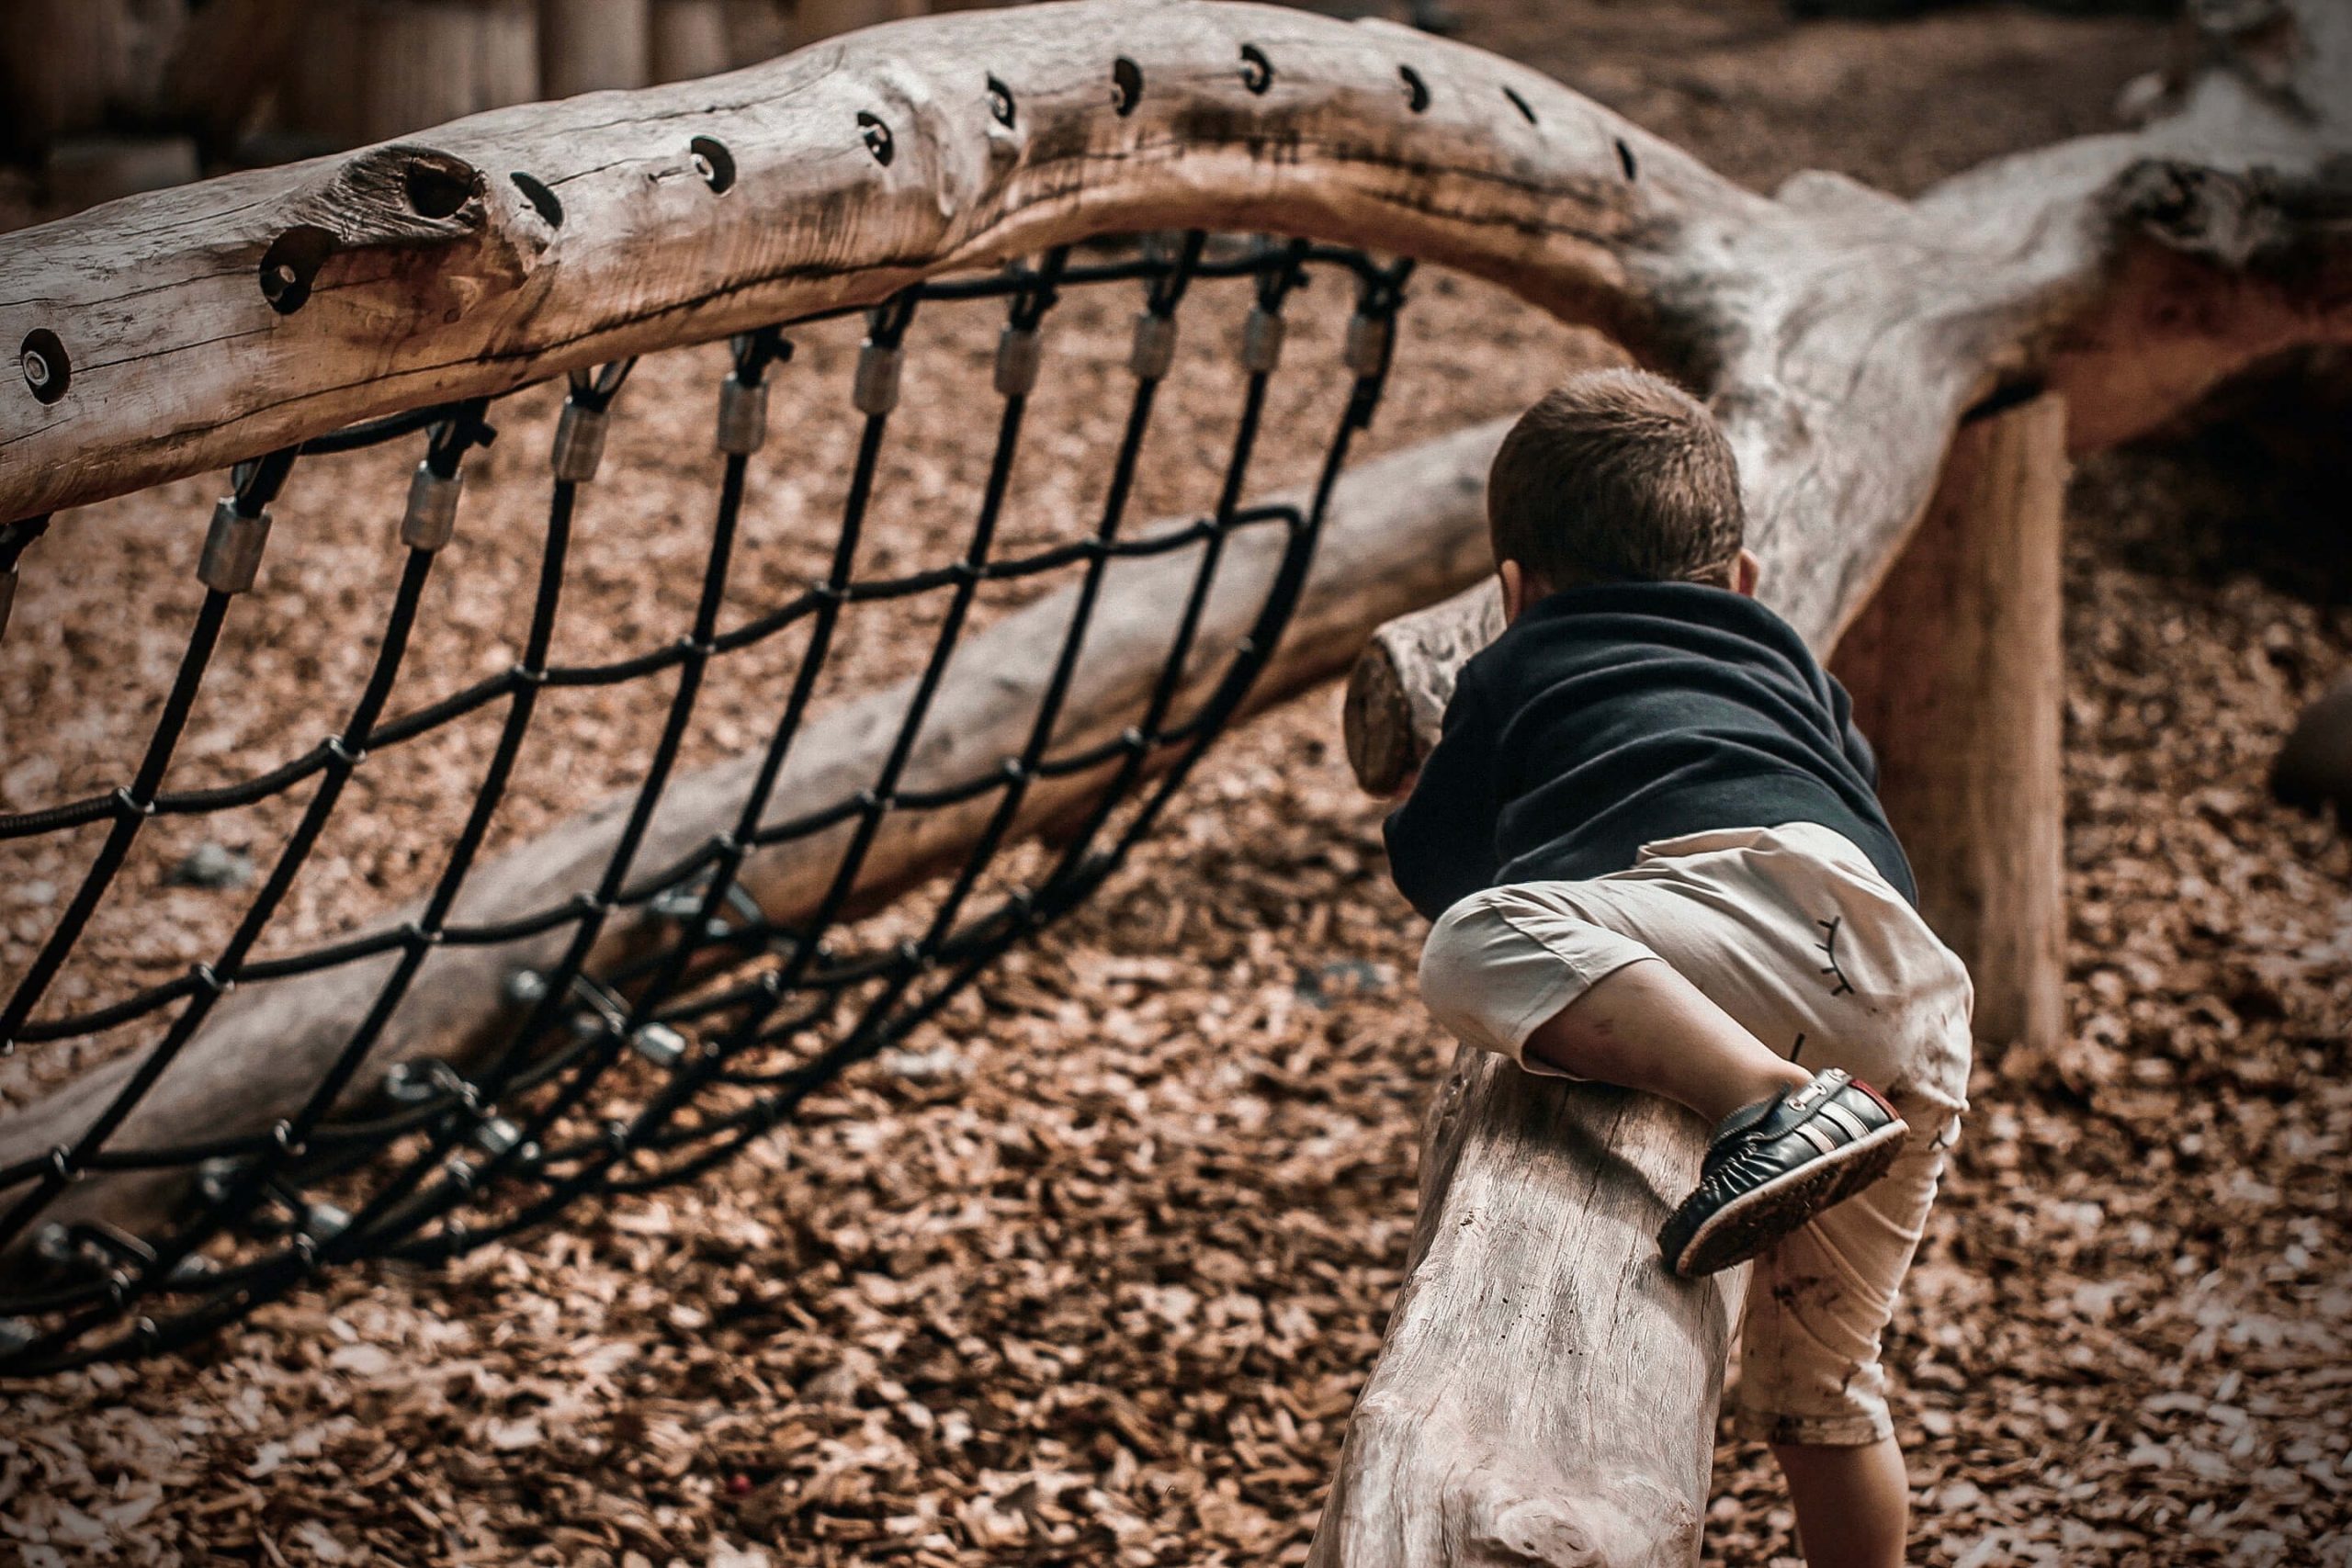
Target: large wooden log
[(1957, 667), (1396, 531)]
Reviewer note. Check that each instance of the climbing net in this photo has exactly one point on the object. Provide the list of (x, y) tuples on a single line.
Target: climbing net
[(648, 1019)]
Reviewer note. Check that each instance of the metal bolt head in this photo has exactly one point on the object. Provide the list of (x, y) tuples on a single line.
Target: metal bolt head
[(215, 1178), (36, 369), (660, 1045), (496, 1135), (526, 986)]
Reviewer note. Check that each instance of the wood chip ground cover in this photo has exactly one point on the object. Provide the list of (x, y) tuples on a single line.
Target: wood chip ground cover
[(1092, 1271)]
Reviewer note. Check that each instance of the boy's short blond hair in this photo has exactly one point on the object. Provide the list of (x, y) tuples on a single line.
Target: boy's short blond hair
[(1617, 475)]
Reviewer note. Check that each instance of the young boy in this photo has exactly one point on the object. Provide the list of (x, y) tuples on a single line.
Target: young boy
[(1651, 844)]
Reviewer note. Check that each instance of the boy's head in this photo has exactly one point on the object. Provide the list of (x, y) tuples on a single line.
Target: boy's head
[(1616, 476)]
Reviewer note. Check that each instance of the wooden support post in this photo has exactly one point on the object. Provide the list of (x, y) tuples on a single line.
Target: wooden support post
[(814, 20), (588, 45), (1957, 668), (226, 61), (63, 63), (422, 61), (689, 39)]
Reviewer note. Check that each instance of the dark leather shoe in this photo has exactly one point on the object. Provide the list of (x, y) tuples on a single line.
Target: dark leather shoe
[(1774, 1165)]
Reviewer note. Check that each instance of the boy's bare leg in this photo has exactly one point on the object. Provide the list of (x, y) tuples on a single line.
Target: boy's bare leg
[(1853, 1504), (1646, 1027)]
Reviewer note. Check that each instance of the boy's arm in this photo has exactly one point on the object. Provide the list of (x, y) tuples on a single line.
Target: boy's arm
[(1442, 840)]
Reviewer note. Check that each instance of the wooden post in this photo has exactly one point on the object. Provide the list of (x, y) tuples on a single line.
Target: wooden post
[(423, 61), (1958, 671), (63, 63), (689, 39), (320, 95), (225, 61), (588, 45), (814, 20)]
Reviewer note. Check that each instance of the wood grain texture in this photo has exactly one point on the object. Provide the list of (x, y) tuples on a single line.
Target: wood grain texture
[(181, 364), (1957, 668), (1546, 1392)]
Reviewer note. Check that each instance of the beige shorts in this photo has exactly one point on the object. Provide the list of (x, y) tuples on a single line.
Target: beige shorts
[(1794, 933)]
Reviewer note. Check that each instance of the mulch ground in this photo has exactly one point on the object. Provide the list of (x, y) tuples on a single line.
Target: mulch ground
[(1092, 1271)]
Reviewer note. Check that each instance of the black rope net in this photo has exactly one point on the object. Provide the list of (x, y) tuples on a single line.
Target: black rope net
[(605, 1066)]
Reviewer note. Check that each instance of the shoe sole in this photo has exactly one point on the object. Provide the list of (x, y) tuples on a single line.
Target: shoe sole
[(1754, 1220)]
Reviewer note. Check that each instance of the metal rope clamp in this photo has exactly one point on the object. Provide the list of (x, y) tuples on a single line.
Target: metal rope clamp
[(1262, 341), (1154, 353), (1018, 354), (232, 547), (432, 514), (1367, 344), (743, 416), (875, 391), (579, 443)]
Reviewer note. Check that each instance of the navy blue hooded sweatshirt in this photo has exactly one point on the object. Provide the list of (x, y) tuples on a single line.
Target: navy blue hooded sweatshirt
[(1612, 715)]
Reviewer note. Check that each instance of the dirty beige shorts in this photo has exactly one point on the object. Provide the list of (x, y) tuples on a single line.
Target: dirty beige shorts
[(1794, 933)]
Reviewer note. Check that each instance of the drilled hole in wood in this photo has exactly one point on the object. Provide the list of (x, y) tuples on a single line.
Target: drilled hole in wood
[(877, 138), (1001, 103), (543, 200), (1256, 71), (1625, 158), (1526, 110), (1417, 92), (714, 162), (291, 266), (47, 370), (435, 189), (1126, 84)]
